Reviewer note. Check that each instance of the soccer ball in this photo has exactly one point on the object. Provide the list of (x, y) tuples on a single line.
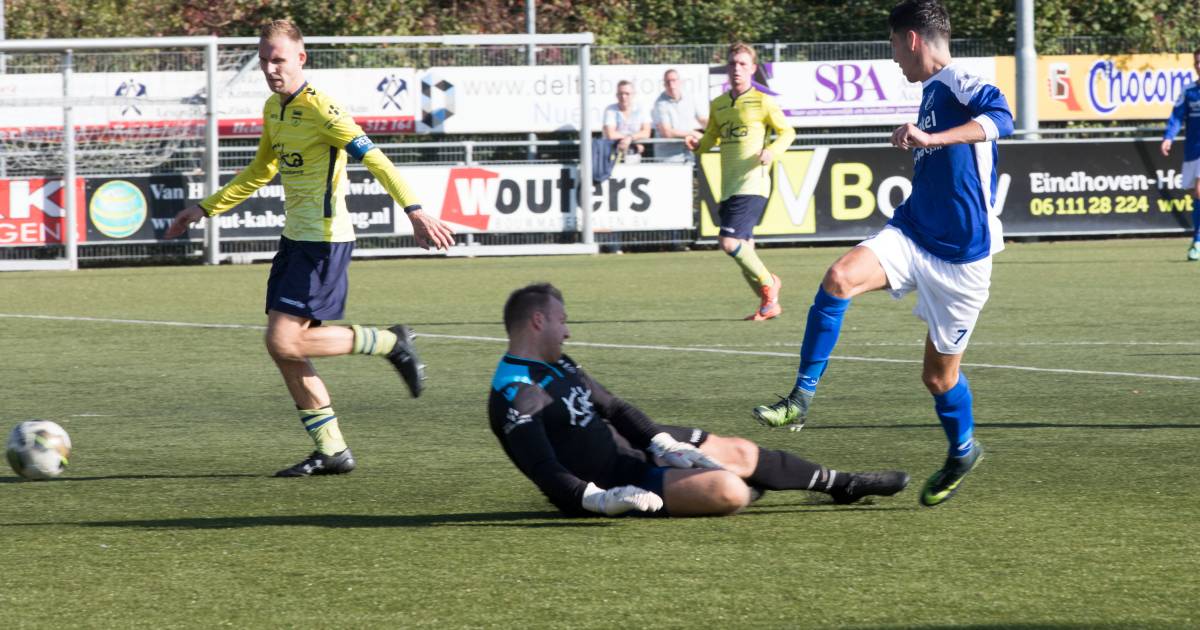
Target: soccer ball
[(38, 449)]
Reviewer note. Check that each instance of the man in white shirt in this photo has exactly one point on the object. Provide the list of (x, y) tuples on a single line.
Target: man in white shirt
[(675, 115), (625, 122)]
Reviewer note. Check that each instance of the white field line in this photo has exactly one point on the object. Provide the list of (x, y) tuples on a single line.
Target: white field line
[(625, 346)]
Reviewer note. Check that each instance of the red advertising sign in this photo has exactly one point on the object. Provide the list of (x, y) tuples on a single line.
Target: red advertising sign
[(32, 213)]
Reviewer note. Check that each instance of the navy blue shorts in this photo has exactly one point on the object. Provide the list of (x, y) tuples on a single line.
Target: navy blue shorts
[(740, 214), (654, 480), (308, 279)]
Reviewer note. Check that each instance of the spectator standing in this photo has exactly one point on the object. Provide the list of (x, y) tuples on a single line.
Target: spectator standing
[(675, 115)]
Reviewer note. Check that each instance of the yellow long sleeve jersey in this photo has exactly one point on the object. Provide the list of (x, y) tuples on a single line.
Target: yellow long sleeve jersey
[(740, 126), (307, 138)]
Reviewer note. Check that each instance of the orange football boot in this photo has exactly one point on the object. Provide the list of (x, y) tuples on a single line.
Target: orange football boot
[(769, 308)]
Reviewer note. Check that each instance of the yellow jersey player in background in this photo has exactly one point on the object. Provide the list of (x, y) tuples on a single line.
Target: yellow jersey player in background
[(739, 121), (307, 138)]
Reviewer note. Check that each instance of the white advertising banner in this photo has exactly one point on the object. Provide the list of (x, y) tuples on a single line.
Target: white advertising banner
[(382, 100), (497, 99), (543, 198), (845, 93), (504, 99)]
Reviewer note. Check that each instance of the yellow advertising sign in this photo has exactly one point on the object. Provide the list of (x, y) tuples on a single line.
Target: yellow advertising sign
[(791, 207), (1099, 87)]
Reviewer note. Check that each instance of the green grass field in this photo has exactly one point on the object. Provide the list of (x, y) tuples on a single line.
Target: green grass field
[(1085, 370)]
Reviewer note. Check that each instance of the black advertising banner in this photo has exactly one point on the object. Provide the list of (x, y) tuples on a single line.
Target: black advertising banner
[(1044, 188), (139, 209), (1093, 187)]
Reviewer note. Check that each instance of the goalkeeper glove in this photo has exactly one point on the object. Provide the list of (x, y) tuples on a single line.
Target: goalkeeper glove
[(620, 500), (680, 454)]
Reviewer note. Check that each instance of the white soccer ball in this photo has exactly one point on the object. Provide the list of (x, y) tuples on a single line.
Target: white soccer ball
[(38, 449)]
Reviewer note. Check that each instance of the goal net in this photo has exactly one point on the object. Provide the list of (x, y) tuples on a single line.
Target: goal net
[(73, 115)]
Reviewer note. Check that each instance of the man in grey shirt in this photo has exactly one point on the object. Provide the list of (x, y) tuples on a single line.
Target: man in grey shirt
[(675, 115)]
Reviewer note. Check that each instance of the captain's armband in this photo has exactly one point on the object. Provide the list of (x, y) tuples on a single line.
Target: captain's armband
[(359, 146)]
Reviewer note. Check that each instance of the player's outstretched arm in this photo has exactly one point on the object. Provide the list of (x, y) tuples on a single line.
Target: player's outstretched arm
[(261, 170), (430, 232), (186, 217), (619, 500)]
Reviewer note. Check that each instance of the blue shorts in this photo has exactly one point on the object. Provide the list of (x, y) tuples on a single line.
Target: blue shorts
[(654, 480), (308, 279), (740, 214)]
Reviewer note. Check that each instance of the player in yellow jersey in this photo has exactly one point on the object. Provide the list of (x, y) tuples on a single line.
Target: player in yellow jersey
[(307, 139), (740, 121)]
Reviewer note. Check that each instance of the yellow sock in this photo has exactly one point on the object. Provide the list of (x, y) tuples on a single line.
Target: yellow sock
[(747, 258), (322, 427), (368, 340)]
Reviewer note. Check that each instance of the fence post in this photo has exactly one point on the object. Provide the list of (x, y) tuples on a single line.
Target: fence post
[(585, 148), (469, 159), (212, 232), (1027, 95), (70, 203)]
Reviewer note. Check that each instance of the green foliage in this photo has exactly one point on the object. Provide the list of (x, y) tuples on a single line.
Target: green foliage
[(1126, 25)]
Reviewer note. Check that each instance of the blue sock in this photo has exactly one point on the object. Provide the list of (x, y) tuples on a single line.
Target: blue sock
[(958, 421), (820, 336), (1196, 220)]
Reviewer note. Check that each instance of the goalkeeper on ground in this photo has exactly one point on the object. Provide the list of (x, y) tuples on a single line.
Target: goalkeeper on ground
[(589, 451)]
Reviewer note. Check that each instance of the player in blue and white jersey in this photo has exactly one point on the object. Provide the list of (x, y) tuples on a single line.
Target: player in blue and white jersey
[(1187, 108), (939, 242), (591, 452)]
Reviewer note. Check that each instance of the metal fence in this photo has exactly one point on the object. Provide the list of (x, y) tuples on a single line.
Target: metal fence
[(189, 156)]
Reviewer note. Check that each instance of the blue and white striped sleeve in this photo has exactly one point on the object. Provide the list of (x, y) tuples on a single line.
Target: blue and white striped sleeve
[(987, 106)]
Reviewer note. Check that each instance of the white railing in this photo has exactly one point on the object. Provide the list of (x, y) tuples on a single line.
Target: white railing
[(210, 45)]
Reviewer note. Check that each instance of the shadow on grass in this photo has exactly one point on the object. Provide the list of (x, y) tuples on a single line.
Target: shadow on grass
[(108, 477), (807, 508), (350, 521)]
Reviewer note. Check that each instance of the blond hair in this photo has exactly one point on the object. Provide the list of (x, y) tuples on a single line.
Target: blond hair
[(286, 28), (738, 48)]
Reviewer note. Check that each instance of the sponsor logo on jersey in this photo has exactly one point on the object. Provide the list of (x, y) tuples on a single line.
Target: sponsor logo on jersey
[(579, 403), (730, 131), (515, 419)]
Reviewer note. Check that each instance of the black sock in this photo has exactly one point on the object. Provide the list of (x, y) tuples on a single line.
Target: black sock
[(781, 470)]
